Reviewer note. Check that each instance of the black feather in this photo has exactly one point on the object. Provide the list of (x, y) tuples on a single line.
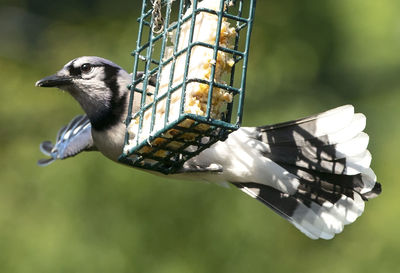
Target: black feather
[(114, 113), (45, 162), (282, 204), (46, 147), (74, 71)]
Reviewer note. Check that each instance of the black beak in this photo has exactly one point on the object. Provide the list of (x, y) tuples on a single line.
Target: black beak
[(54, 81)]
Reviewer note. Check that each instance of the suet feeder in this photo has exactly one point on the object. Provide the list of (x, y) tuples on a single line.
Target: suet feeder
[(183, 111)]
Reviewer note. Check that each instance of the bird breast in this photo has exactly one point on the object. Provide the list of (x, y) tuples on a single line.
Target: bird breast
[(110, 142)]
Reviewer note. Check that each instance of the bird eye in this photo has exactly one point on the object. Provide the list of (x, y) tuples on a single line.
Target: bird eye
[(85, 68)]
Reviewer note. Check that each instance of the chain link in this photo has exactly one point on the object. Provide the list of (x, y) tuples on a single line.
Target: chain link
[(158, 20)]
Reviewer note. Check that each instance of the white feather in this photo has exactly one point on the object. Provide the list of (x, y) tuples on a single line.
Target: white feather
[(307, 221), (358, 164), (353, 147), (242, 162), (333, 120), (329, 219), (350, 131), (369, 178)]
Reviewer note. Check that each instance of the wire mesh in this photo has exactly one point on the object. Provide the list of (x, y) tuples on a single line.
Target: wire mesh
[(162, 130)]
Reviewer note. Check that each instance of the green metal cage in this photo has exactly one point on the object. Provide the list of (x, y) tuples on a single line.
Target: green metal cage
[(166, 149)]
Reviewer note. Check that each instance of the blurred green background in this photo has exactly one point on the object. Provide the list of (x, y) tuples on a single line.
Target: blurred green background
[(88, 214)]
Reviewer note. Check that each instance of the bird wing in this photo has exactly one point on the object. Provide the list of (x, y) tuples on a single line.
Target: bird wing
[(72, 139), (315, 172)]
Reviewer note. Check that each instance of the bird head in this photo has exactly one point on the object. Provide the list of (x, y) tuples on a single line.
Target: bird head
[(99, 85)]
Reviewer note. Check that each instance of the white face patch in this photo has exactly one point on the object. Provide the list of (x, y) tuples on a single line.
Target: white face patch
[(91, 90)]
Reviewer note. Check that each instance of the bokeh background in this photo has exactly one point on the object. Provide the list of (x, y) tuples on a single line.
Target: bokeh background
[(88, 214)]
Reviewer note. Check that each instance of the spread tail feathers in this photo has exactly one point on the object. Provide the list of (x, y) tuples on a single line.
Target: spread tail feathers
[(316, 170)]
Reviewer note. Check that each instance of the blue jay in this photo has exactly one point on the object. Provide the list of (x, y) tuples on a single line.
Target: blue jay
[(315, 172)]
